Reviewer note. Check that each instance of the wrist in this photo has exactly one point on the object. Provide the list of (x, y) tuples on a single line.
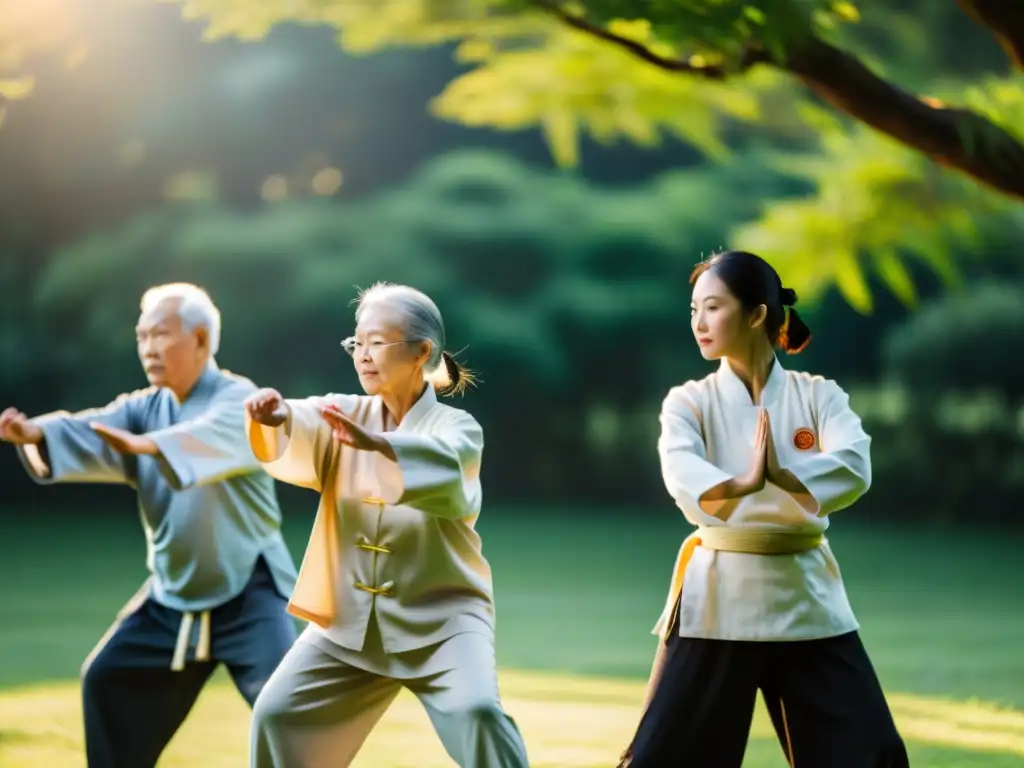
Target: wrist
[(752, 483), (283, 416), (743, 486), (383, 447)]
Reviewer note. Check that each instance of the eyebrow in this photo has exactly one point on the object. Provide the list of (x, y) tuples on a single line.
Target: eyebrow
[(708, 298)]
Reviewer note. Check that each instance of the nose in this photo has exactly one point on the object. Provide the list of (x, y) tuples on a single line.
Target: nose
[(697, 321)]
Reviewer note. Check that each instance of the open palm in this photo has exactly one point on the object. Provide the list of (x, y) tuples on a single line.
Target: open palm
[(347, 431), (123, 441)]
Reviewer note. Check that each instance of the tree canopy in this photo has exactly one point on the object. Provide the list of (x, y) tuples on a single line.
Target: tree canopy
[(902, 147), (567, 297), (554, 63), (809, 75)]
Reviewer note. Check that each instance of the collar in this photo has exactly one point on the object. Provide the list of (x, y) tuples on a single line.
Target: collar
[(418, 411), (735, 391), (205, 384)]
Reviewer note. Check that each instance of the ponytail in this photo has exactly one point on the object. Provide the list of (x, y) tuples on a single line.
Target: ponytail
[(452, 377), (794, 335)]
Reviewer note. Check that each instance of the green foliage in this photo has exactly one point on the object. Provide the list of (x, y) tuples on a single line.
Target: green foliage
[(1001, 100), (950, 406), (876, 207), (512, 254), (967, 341), (564, 89), (953, 407), (945, 455), (571, 300)]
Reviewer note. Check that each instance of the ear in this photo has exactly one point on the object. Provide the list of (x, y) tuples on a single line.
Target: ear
[(423, 353), (202, 338), (758, 315)]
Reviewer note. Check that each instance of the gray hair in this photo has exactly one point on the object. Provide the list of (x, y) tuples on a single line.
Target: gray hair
[(420, 320), (195, 308)]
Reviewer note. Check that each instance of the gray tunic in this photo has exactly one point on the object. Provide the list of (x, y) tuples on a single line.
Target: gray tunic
[(208, 508)]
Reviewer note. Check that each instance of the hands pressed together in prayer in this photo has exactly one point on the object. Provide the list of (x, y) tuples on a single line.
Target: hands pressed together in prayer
[(269, 408), (765, 466)]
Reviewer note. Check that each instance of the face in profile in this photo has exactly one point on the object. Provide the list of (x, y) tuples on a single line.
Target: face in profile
[(170, 355), (719, 323), (384, 360)]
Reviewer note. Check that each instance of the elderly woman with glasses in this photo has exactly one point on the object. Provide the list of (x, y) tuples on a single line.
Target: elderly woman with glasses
[(393, 582)]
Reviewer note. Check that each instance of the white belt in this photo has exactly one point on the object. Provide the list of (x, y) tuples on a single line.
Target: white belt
[(185, 639)]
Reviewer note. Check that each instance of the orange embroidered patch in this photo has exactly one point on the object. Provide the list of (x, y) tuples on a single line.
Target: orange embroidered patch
[(804, 439)]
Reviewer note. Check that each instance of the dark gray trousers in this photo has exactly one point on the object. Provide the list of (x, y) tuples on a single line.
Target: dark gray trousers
[(134, 703)]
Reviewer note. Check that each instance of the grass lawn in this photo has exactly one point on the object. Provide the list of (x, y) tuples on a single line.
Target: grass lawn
[(577, 594)]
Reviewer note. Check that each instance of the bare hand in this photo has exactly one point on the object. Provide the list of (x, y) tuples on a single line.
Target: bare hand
[(783, 478), (773, 470), (348, 432), (16, 428), (755, 478), (123, 441), (267, 407)]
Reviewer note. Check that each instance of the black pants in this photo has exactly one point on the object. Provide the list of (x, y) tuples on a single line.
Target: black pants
[(134, 702), (824, 698)]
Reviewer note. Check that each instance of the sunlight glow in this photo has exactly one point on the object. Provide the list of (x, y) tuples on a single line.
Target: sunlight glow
[(569, 721)]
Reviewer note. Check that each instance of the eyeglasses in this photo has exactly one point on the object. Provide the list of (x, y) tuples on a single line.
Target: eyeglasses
[(353, 347)]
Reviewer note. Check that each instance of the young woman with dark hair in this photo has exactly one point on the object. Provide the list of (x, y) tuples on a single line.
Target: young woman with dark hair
[(757, 458)]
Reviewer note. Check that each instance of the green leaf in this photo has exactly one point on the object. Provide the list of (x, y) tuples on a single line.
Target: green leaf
[(561, 134), (851, 283), (895, 275), (846, 11)]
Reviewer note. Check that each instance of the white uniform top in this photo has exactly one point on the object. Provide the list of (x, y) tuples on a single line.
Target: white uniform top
[(707, 436), (394, 543)]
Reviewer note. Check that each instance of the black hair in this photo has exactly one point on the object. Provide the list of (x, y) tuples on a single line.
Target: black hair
[(753, 281)]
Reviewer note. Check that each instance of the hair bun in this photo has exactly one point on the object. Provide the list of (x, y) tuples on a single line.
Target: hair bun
[(787, 297)]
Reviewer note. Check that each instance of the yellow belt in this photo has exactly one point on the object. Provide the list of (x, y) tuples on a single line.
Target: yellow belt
[(723, 538)]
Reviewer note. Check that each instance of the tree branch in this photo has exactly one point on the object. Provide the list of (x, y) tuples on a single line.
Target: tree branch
[(953, 137), (1005, 19), (710, 71)]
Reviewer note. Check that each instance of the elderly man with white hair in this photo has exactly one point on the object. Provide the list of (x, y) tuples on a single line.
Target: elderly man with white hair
[(394, 582), (220, 571)]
